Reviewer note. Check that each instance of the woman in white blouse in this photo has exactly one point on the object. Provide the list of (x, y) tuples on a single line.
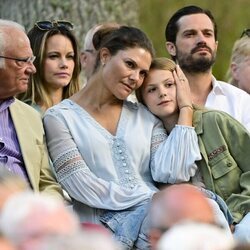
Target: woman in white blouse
[(103, 146)]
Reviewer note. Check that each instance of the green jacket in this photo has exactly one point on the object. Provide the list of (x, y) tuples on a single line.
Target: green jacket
[(225, 165)]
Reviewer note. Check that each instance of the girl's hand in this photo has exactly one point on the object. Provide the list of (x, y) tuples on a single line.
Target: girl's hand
[(183, 94)]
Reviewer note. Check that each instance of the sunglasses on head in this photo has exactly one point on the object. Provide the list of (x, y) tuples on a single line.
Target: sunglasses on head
[(245, 32), (48, 25)]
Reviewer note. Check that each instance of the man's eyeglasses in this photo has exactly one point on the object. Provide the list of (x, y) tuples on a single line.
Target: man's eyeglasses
[(21, 61), (91, 51), (48, 25), (246, 32)]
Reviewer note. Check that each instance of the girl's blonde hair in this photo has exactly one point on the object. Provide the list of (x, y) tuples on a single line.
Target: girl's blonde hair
[(161, 63)]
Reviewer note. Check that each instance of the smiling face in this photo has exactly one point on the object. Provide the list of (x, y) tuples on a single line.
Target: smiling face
[(195, 47), (125, 71), (59, 62), (159, 93)]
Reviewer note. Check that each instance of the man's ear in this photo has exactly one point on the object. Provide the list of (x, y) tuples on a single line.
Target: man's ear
[(171, 48), (104, 55), (83, 59)]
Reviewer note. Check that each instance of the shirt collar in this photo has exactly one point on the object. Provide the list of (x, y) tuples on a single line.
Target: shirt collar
[(217, 89), (6, 103)]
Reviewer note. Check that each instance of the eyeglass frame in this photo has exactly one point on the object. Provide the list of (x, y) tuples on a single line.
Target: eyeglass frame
[(245, 32), (30, 59), (91, 51), (54, 24)]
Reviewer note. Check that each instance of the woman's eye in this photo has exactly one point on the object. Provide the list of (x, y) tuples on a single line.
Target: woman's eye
[(130, 64), (52, 56), (143, 74), (71, 56)]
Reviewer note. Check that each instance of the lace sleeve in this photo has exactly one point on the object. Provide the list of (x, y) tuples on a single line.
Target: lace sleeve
[(173, 160), (76, 177)]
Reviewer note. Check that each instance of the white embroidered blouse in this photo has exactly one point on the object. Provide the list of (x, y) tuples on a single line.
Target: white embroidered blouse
[(103, 171)]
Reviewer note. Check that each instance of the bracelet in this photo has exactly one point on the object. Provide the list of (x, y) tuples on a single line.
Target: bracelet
[(187, 106)]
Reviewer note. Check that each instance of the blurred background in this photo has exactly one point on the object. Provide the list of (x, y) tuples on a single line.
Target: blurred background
[(151, 16)]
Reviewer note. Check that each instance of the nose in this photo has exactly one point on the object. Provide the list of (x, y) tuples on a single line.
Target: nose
[(63, 63), (135, 76), (31, 69), (162, 95), (201, 38)]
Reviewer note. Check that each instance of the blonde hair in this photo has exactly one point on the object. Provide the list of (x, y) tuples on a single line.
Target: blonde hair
[(161, 63), (240, 52)]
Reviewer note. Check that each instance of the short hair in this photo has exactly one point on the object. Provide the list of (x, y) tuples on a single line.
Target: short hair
[(90, 33), (240, 52), (207, 236), (161, 63), (122, 38), (172, 27), (37, 92), (13, 220), (4, 36)]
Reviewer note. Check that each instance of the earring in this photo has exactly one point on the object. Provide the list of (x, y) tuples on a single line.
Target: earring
[(103, 64)]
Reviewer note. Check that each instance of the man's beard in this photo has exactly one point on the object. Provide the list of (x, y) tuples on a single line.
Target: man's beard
[(195, 65)]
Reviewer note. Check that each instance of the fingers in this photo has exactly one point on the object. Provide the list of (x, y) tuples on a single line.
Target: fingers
[(180, 74)]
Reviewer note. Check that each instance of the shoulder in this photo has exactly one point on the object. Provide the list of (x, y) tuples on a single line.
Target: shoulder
[(140, 110), (62, 107), (211, 117), (19, 106), (230, 90)]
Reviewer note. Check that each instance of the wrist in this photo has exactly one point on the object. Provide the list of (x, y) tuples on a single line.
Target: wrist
[(187, 106)]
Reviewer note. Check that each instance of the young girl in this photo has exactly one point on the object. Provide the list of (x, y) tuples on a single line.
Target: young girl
[(224, 143)]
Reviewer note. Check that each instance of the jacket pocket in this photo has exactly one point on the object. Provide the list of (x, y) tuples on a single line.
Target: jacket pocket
[(226, 175)]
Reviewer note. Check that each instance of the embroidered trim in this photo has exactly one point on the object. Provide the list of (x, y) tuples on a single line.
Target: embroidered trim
[(216, 152), (69, 163)]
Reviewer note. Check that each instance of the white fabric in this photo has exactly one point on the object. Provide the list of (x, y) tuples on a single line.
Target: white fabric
[(182, 166), (232, 100), (103, 171), (242, 230), (220, 218)]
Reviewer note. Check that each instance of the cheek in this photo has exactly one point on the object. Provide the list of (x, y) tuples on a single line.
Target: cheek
[(149, 100)]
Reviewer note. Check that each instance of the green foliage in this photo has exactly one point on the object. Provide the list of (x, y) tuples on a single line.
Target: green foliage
[(65, 4), (231, 16)]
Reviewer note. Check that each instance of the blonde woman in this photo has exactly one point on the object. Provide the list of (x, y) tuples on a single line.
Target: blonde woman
[(239, 69)]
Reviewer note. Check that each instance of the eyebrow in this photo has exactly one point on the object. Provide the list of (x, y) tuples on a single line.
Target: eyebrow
[(195, 30)]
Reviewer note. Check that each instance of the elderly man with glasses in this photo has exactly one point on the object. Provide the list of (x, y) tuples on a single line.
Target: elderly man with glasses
[(22, 140)]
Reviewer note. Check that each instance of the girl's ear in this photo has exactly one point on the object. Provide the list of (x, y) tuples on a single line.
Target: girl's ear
[(104, 55)]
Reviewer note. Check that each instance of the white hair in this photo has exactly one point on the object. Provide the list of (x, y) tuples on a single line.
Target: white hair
[(89, 36), (191, 236), (19, 208), (84, 240), (4, 25)]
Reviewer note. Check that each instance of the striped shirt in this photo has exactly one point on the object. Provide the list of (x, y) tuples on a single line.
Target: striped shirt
[(10, 152)]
